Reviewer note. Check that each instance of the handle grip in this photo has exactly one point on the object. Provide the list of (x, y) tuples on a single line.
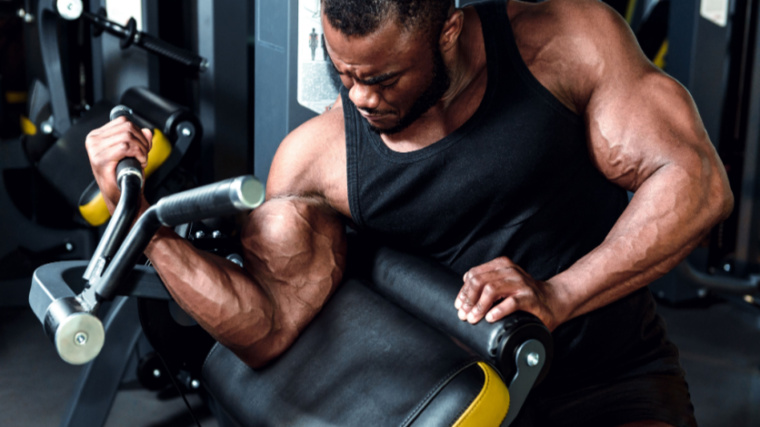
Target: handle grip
[(218, 199), (162, 48)]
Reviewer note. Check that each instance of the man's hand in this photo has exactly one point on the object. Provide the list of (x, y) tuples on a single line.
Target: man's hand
[(499, 288), (107, 145)]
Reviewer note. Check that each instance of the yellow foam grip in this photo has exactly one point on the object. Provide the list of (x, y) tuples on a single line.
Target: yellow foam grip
[(95, 211), (491, 405), (27, 127)]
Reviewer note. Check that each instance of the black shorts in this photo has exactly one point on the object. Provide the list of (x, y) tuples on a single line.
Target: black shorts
[(611, 367)]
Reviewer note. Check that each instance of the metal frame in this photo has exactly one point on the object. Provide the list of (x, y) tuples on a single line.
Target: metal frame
[(222, 29)]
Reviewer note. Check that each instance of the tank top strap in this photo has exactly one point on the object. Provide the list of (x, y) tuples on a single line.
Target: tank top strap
[(351, 118), (497, 36)]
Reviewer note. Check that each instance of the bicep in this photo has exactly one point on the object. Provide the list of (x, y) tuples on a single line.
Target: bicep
[(640, 120)]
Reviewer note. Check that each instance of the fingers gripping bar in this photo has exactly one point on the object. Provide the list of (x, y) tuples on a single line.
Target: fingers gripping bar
[(127, 166), (129, 177)]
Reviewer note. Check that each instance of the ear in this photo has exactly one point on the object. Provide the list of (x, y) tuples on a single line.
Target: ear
[(452, 28)]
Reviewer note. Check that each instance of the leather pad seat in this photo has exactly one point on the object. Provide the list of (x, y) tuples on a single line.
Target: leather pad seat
[(362, 361)]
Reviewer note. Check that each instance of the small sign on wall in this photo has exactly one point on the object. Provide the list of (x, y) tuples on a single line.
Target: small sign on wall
[(316, 88), (715, 11)]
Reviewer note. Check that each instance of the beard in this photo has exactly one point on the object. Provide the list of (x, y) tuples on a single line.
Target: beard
[(438, 86)]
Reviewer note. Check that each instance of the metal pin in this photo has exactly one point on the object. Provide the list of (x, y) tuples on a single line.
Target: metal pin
[(80, 338), (532, 359)]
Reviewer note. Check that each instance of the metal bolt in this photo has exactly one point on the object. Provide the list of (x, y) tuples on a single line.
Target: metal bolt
[(47, 128), (727, 267), (216, 234), (186, 131), (28, 18), (702, 292), (195, 384), (533, 359), (200, 234), (80, 338), (156, 373), (69, 9), (69, 246)]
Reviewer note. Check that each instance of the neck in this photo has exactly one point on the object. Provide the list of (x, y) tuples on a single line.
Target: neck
[(466, 61), (461, 75)]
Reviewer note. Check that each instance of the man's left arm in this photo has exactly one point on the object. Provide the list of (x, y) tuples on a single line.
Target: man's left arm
[(645, 135)]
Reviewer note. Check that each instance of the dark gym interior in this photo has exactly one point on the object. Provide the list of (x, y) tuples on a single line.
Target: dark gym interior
[(222, 82)]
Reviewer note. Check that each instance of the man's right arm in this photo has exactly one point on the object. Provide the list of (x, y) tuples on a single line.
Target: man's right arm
[(294, 250)]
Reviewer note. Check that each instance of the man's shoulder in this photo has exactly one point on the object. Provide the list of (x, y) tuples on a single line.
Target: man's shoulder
[(563, 16), (568, 44), (311, 159), (318, 133)]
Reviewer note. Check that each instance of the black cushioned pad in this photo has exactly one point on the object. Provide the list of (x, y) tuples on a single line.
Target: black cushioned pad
[(362, 361), (66, 165)]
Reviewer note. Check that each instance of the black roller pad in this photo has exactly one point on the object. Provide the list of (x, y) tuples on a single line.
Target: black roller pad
[(65, 165)]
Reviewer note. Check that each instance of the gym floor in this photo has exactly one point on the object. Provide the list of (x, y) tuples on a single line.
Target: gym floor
[(719, 342)]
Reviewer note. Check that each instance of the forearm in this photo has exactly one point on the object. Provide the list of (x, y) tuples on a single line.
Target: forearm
[(660, 227), (224, 298)]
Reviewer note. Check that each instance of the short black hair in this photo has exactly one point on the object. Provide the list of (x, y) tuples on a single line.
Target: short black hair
[(362, 17)]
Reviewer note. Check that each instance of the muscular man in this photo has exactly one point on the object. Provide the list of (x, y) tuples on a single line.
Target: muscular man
[(500, 140)]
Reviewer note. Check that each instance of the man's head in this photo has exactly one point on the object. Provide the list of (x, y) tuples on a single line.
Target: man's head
[(388, 53), (363, 17)]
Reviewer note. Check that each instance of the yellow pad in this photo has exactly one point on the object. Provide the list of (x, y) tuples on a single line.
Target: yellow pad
[(491, 405), (630, 10), (27, 127), (659, 59), (95, 211), (12, 97)]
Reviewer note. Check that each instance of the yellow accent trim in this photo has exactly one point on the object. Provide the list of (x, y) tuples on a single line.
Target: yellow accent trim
[(659, 59), (630, 10), (27, 127), (15, 97), (95, 211), (491, 405), (158, 154)]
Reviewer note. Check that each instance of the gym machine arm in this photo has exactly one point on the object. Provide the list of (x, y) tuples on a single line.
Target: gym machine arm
[(71, 320), (74, 9)]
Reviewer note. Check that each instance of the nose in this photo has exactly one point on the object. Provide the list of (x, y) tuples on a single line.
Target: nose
[(363, 96)]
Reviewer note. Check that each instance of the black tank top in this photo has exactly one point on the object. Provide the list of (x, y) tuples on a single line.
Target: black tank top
[(515, 180)]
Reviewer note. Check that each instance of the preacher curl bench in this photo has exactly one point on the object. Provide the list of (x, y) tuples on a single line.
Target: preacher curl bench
[(387, 349)]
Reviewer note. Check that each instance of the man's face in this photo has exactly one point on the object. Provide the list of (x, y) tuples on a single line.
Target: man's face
[(393, 76)]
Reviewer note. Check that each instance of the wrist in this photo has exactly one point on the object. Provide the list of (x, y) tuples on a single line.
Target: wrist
[(562, 300)]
